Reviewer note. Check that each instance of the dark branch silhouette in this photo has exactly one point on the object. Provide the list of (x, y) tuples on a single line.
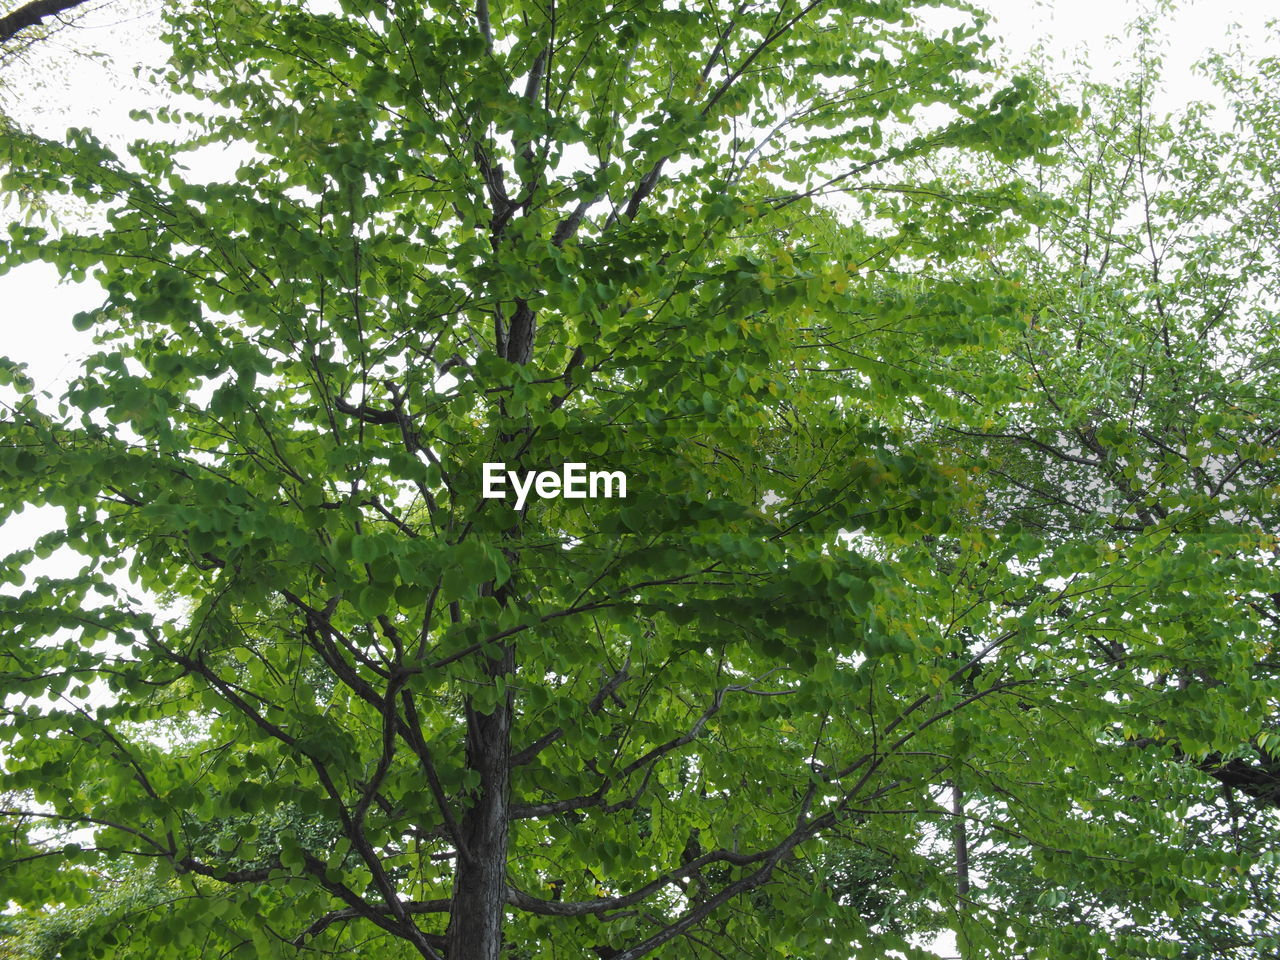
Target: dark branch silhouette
[(32, 14)]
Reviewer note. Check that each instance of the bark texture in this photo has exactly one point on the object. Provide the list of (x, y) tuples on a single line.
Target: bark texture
[(480, 881)]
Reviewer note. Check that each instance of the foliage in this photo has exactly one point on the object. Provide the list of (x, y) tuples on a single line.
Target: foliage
[(1147, 420), (311, 680)]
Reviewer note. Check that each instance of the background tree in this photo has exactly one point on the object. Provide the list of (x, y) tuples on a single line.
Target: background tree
[(339, 702), (1149, 405)]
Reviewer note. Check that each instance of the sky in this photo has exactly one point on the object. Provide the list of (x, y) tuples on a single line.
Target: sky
[(71, 90), (60, 87), (35, 322)]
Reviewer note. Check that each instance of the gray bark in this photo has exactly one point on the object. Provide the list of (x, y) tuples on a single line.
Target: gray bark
[(480, 882)]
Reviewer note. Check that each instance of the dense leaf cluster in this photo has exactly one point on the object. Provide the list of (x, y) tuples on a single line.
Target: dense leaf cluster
[(939, 599)]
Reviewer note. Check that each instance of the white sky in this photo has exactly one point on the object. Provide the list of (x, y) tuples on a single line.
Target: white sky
[(35, 310), (67, 89), (60, 87)]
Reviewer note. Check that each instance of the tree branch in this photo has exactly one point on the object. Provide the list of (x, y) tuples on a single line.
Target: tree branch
[(32, 14)]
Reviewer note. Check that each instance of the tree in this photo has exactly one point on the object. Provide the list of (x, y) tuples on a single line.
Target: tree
[(33, 14), (1150, 402), (312, 691), (24, 25)]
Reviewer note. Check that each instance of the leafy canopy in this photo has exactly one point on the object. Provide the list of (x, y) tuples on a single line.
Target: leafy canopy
[(313, 692)]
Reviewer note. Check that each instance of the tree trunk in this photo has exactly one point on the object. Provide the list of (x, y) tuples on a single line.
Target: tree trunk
[(480, 882), (960, 841), (960, 837)]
